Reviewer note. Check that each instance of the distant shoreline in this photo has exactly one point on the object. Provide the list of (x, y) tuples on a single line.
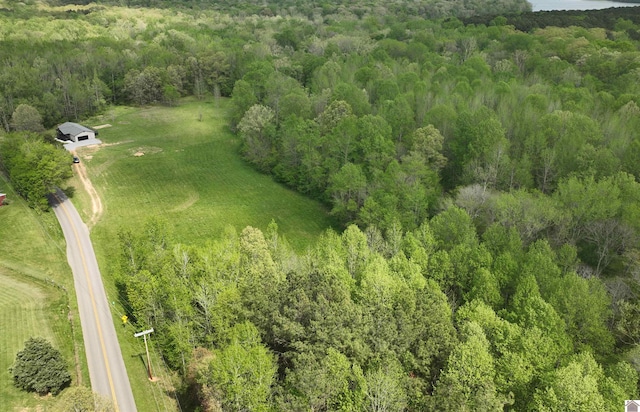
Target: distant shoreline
[(559, 5)]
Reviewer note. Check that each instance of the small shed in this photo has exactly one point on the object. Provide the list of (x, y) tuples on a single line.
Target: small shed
[(2, 197), (75, 132)]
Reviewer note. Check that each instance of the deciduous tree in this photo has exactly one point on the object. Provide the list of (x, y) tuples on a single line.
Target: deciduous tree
[(144, 87), (241, 372), (467, 382), (256, 129), (26, 118), (572, 388)]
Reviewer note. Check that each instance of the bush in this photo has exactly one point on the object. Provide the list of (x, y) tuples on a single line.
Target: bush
[(81, 399), (40, 368)]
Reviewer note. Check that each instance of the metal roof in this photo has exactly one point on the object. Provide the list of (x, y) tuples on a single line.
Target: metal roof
[(73, 129)]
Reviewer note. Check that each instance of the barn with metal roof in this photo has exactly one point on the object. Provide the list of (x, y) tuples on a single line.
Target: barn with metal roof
[(75, 132)]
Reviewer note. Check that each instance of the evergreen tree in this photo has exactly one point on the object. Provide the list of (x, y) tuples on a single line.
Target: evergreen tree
[(40, 368)]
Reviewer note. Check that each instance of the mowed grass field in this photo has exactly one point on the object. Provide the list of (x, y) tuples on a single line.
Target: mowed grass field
[(182, 165), (165, 162), (33, 271), (29, 309)]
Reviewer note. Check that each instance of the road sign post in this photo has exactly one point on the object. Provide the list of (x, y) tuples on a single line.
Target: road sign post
[(144, 336)]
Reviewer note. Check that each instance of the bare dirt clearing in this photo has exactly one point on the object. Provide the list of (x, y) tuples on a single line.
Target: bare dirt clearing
[(143, 150)]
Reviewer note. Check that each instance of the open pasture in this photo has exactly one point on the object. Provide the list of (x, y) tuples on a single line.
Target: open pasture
[(182, 164)]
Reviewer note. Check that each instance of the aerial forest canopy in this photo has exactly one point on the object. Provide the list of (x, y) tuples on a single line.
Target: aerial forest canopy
[(486, 178), (422, 8)]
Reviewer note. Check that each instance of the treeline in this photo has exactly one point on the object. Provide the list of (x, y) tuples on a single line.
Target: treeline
[(436, 318), (71, 65), (359, 8), (534, 133), (615, 18)]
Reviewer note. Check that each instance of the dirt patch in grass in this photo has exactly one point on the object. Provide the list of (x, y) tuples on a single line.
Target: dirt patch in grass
[(90, 150), (144, 150)]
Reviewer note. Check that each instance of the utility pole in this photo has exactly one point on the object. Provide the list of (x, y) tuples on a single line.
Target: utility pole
[(144, 336)]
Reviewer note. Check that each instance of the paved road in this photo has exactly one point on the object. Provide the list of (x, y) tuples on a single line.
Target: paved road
[(106, 367)]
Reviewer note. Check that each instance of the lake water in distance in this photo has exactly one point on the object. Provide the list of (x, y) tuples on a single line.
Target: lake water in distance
[(540, 5)]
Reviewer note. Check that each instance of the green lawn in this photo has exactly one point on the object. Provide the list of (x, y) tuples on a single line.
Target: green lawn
[(33, 271), (192, 177), (29, 308), (32, 240)]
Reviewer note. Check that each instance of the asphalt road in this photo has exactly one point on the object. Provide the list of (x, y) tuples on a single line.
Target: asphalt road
[(106, 367)]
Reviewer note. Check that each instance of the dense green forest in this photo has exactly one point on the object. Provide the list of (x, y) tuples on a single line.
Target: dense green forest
[(610, 19), (436, 318), (486, 177), (359, 8)]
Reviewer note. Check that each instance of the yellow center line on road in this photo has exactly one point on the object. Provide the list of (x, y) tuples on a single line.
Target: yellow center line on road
[(93, 303)]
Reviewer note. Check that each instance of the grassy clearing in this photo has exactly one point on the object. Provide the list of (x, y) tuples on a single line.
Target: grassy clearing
[(164, 162)]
